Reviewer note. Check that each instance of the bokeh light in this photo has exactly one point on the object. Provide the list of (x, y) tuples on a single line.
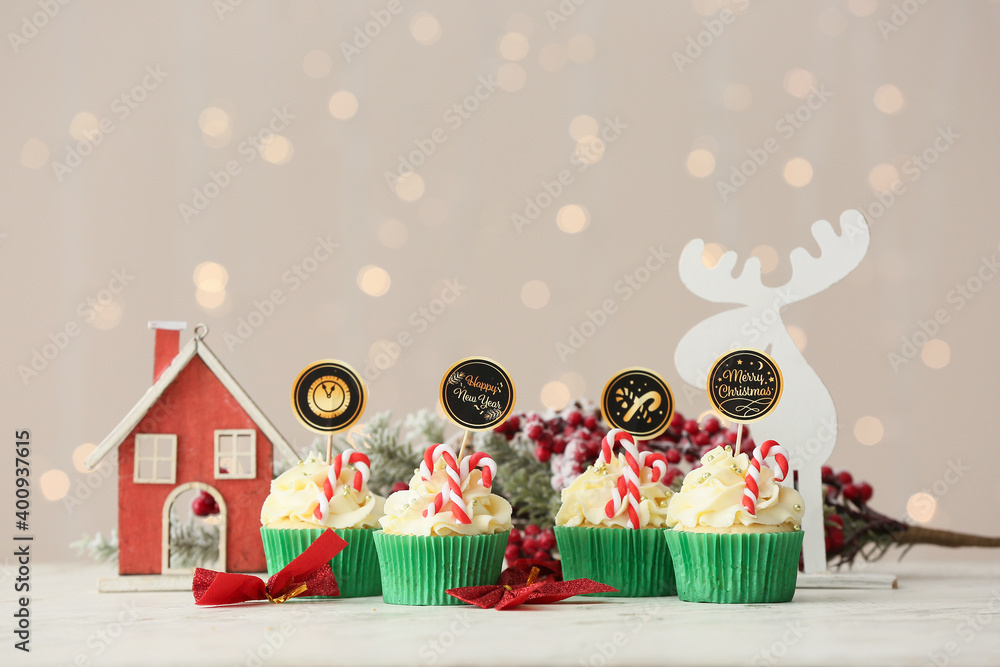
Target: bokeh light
[(869, 430), (373, 280), (936, 353), (343, 105), (535, 294), (573, 218), (798, 172)]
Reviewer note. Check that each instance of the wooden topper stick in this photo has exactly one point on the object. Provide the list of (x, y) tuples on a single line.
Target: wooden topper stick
[(739, 438), (329, 449), (465, 441)]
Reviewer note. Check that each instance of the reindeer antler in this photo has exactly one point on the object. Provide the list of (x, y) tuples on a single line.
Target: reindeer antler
[(718, 284), (839, 255)]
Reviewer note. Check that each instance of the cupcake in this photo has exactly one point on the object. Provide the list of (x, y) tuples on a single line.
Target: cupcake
[(722, 552), (312, 497), (595, 534), (447, 530)]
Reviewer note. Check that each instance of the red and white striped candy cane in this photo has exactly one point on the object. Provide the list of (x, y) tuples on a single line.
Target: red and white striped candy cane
[(628, 482), (362, 470), (480, 460), (452, 489), (763, 451)]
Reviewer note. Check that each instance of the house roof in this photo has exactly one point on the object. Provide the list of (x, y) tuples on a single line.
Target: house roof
[(195, 347)]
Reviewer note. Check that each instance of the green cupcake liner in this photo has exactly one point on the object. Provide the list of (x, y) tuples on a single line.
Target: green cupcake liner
[(740, 568), (417, 569), (356, 567), (636, 562)]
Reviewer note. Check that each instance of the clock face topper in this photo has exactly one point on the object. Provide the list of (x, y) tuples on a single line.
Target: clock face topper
[(638, 401), (477, 393), (744, 385), (328, 396)]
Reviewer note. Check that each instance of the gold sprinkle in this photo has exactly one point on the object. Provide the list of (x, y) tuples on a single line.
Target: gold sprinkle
[(733, 467), (797, 507), (729, 449), (704, 477), (662, 502), (797, 527), (709, 458), (475, 501), (368, 498)]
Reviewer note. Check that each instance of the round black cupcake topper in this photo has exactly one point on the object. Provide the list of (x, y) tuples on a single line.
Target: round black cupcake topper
[(328, 396), (638, 401), (744, 385), (477, 393)]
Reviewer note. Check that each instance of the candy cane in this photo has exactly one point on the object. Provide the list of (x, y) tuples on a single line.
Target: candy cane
[(628, 482), (457, 474), (763, 451), (480, 460), (362, 471)]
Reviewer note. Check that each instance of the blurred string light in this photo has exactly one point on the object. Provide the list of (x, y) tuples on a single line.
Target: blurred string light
[(513, 46), (84, 126), (409, 186), (572, 218), (392, 233), (317, 64), (883, 178), (277, 149), (373, 280), (425, 28), (799, 82), (216, 127), (921, 507), (55, 484), (862, 7), (711, 254), (343, 105), (80, 454), (582, 126), (889, 99), (34, 154), (555, 395), (935, 353), (798, 336), (700, 163), (511, 77), (798, 172), (581, 49), (869, 430), (107, 316), (210, 279), (535, 294), (768, 257)]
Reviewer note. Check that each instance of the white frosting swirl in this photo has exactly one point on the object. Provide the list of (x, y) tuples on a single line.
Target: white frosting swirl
[(293, 499), (404, 509), (711, 498), (584, 500)]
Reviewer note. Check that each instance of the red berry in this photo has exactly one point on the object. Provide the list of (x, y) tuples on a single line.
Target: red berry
[(204, 505), (514, 537), (531, 530), (512, 552), (400, 486), (866, 491), (691, 426), (711, 425), (731, 437), (844, 477), (534, 431), (673, 456), (574, 418), (834, 540), (851, 492), (529, 545), (543, 454), (701, 439), (542, 555), (677, 420), (514, 423), (558, 446), (590, 423), (826, 471), (546, 541), (835, 520)]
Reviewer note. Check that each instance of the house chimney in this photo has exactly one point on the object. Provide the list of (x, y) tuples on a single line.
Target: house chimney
[(168, 343)]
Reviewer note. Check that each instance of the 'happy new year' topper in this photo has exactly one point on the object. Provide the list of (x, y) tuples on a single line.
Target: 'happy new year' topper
[(477, 393)]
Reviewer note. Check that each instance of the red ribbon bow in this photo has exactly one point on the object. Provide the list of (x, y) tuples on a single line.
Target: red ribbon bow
[(309, 574), (517, 587)]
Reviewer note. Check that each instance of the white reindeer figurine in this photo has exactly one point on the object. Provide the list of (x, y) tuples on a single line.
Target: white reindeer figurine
[(805, 420)]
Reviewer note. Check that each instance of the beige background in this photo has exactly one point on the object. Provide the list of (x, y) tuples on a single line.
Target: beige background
[(119, 209)]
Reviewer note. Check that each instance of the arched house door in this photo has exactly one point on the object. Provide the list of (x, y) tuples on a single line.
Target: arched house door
[(222, 522)]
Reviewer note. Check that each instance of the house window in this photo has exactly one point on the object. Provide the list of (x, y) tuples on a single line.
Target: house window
[(236, 454), (155, 458)]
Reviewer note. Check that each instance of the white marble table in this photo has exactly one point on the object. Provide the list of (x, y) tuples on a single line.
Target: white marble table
[(944, 612)]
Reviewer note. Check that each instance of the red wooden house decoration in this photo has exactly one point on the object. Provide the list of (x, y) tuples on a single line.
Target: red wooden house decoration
[(195, 428)]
